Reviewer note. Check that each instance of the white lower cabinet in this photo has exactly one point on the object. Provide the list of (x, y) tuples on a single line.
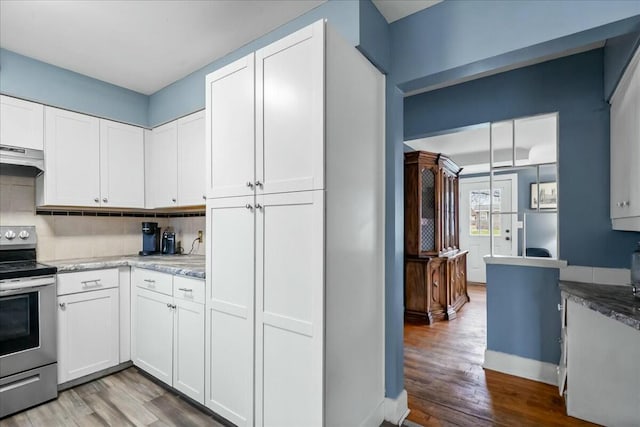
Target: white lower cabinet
[(88, 323), (168, 330), (153, 332), (603, 379), (188, 349)]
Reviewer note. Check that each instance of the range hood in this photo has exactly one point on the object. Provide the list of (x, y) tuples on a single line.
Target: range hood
[(21, 161)]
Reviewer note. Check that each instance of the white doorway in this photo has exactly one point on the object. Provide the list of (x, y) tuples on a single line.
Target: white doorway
[(475, 219)]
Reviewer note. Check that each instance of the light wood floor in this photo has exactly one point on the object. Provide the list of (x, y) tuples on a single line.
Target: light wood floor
[(122, 399), (447, 385)]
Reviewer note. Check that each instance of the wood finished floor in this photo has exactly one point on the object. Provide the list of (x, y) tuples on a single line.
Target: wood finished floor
[(447, 385), (122, 399)]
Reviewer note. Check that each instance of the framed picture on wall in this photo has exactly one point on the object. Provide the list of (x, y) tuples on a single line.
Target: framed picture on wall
[(547, 197)]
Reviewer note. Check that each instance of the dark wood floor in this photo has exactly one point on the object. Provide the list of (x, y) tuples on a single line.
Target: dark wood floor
[(123, 399), (447, 385)]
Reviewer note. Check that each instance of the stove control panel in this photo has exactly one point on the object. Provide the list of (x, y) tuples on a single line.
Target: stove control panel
[(18, 237)]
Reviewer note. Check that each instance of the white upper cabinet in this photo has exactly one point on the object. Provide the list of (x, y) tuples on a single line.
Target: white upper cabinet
[(72, 160), (290, 113), (191, 160), (175, 163), (625, 150), (231, 129), (21, 123), (161, 167), (121, 165), (91, 162), (266, 119)]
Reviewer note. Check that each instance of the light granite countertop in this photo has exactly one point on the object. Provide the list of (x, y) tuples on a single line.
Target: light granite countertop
[(185, 265), (615, 302)]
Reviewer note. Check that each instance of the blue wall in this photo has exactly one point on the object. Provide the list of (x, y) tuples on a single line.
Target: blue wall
[(522, 315), (41, 82), (374, 36), (188, 94), (457, 39), (573, 86), (617, 53)]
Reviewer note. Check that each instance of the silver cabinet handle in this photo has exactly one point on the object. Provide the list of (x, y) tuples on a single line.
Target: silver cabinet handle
[(86, 283), (248, 206), (204, 197), (173, 199), (626, 203), (619, 204), (174, 306), (62, 305), (105, 200), (249, 184), (258, 206), (149, 281), (259, 184), (97, 200), (560, 307), (185, 290), (168, 305)]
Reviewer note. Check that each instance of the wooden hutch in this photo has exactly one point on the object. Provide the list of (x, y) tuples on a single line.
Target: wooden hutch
[(435, 267)]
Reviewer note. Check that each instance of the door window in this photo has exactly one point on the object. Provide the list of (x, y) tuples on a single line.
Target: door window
[(479, 205)]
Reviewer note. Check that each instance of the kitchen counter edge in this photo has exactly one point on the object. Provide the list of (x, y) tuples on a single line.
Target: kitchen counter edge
[(614, 302), (181, 265)]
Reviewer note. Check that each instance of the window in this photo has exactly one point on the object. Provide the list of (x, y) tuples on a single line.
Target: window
[(526, 147), (480, 203)]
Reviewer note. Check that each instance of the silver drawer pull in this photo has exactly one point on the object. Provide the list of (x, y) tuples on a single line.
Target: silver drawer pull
[(88, 283), (560, 307), (185, 290), (150, 282)]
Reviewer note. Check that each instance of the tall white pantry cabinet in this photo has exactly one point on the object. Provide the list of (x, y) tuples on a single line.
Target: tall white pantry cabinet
[(295, 247)]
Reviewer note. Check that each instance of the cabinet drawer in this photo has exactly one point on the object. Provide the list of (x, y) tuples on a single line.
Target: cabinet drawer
[(188, 289), (153, 280), (83, 281)]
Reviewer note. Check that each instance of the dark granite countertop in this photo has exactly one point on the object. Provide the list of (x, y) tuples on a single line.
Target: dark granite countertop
[(185, 265), (615, 302)]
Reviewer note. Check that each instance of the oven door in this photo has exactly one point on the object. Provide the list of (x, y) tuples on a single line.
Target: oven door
[(27, 325)]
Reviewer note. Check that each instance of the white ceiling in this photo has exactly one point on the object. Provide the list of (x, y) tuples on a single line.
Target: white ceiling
[(535, 142), (392, 10), (142, 45)]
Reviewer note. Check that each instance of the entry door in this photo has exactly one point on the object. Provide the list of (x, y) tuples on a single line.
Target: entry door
[(474, 222)]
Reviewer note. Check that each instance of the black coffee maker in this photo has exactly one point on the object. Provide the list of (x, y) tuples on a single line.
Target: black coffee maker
[(150, 238)]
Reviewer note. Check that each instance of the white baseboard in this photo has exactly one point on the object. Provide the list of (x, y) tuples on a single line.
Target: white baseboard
[(602, 276), (521, 367), (396, 410)]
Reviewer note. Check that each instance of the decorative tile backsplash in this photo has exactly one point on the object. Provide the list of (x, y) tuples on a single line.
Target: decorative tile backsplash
[(65, 235)]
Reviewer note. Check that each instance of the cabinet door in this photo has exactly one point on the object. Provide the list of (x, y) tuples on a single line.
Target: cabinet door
[(21, 123), (437, 288), (289, 309), (230, 308), (88, 333), (290, 112), (191, 160), (161, 167), (188, 349), (634, 146), (121, 165), (619, 154), (230, 129), (72, 158), (152, 343)]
